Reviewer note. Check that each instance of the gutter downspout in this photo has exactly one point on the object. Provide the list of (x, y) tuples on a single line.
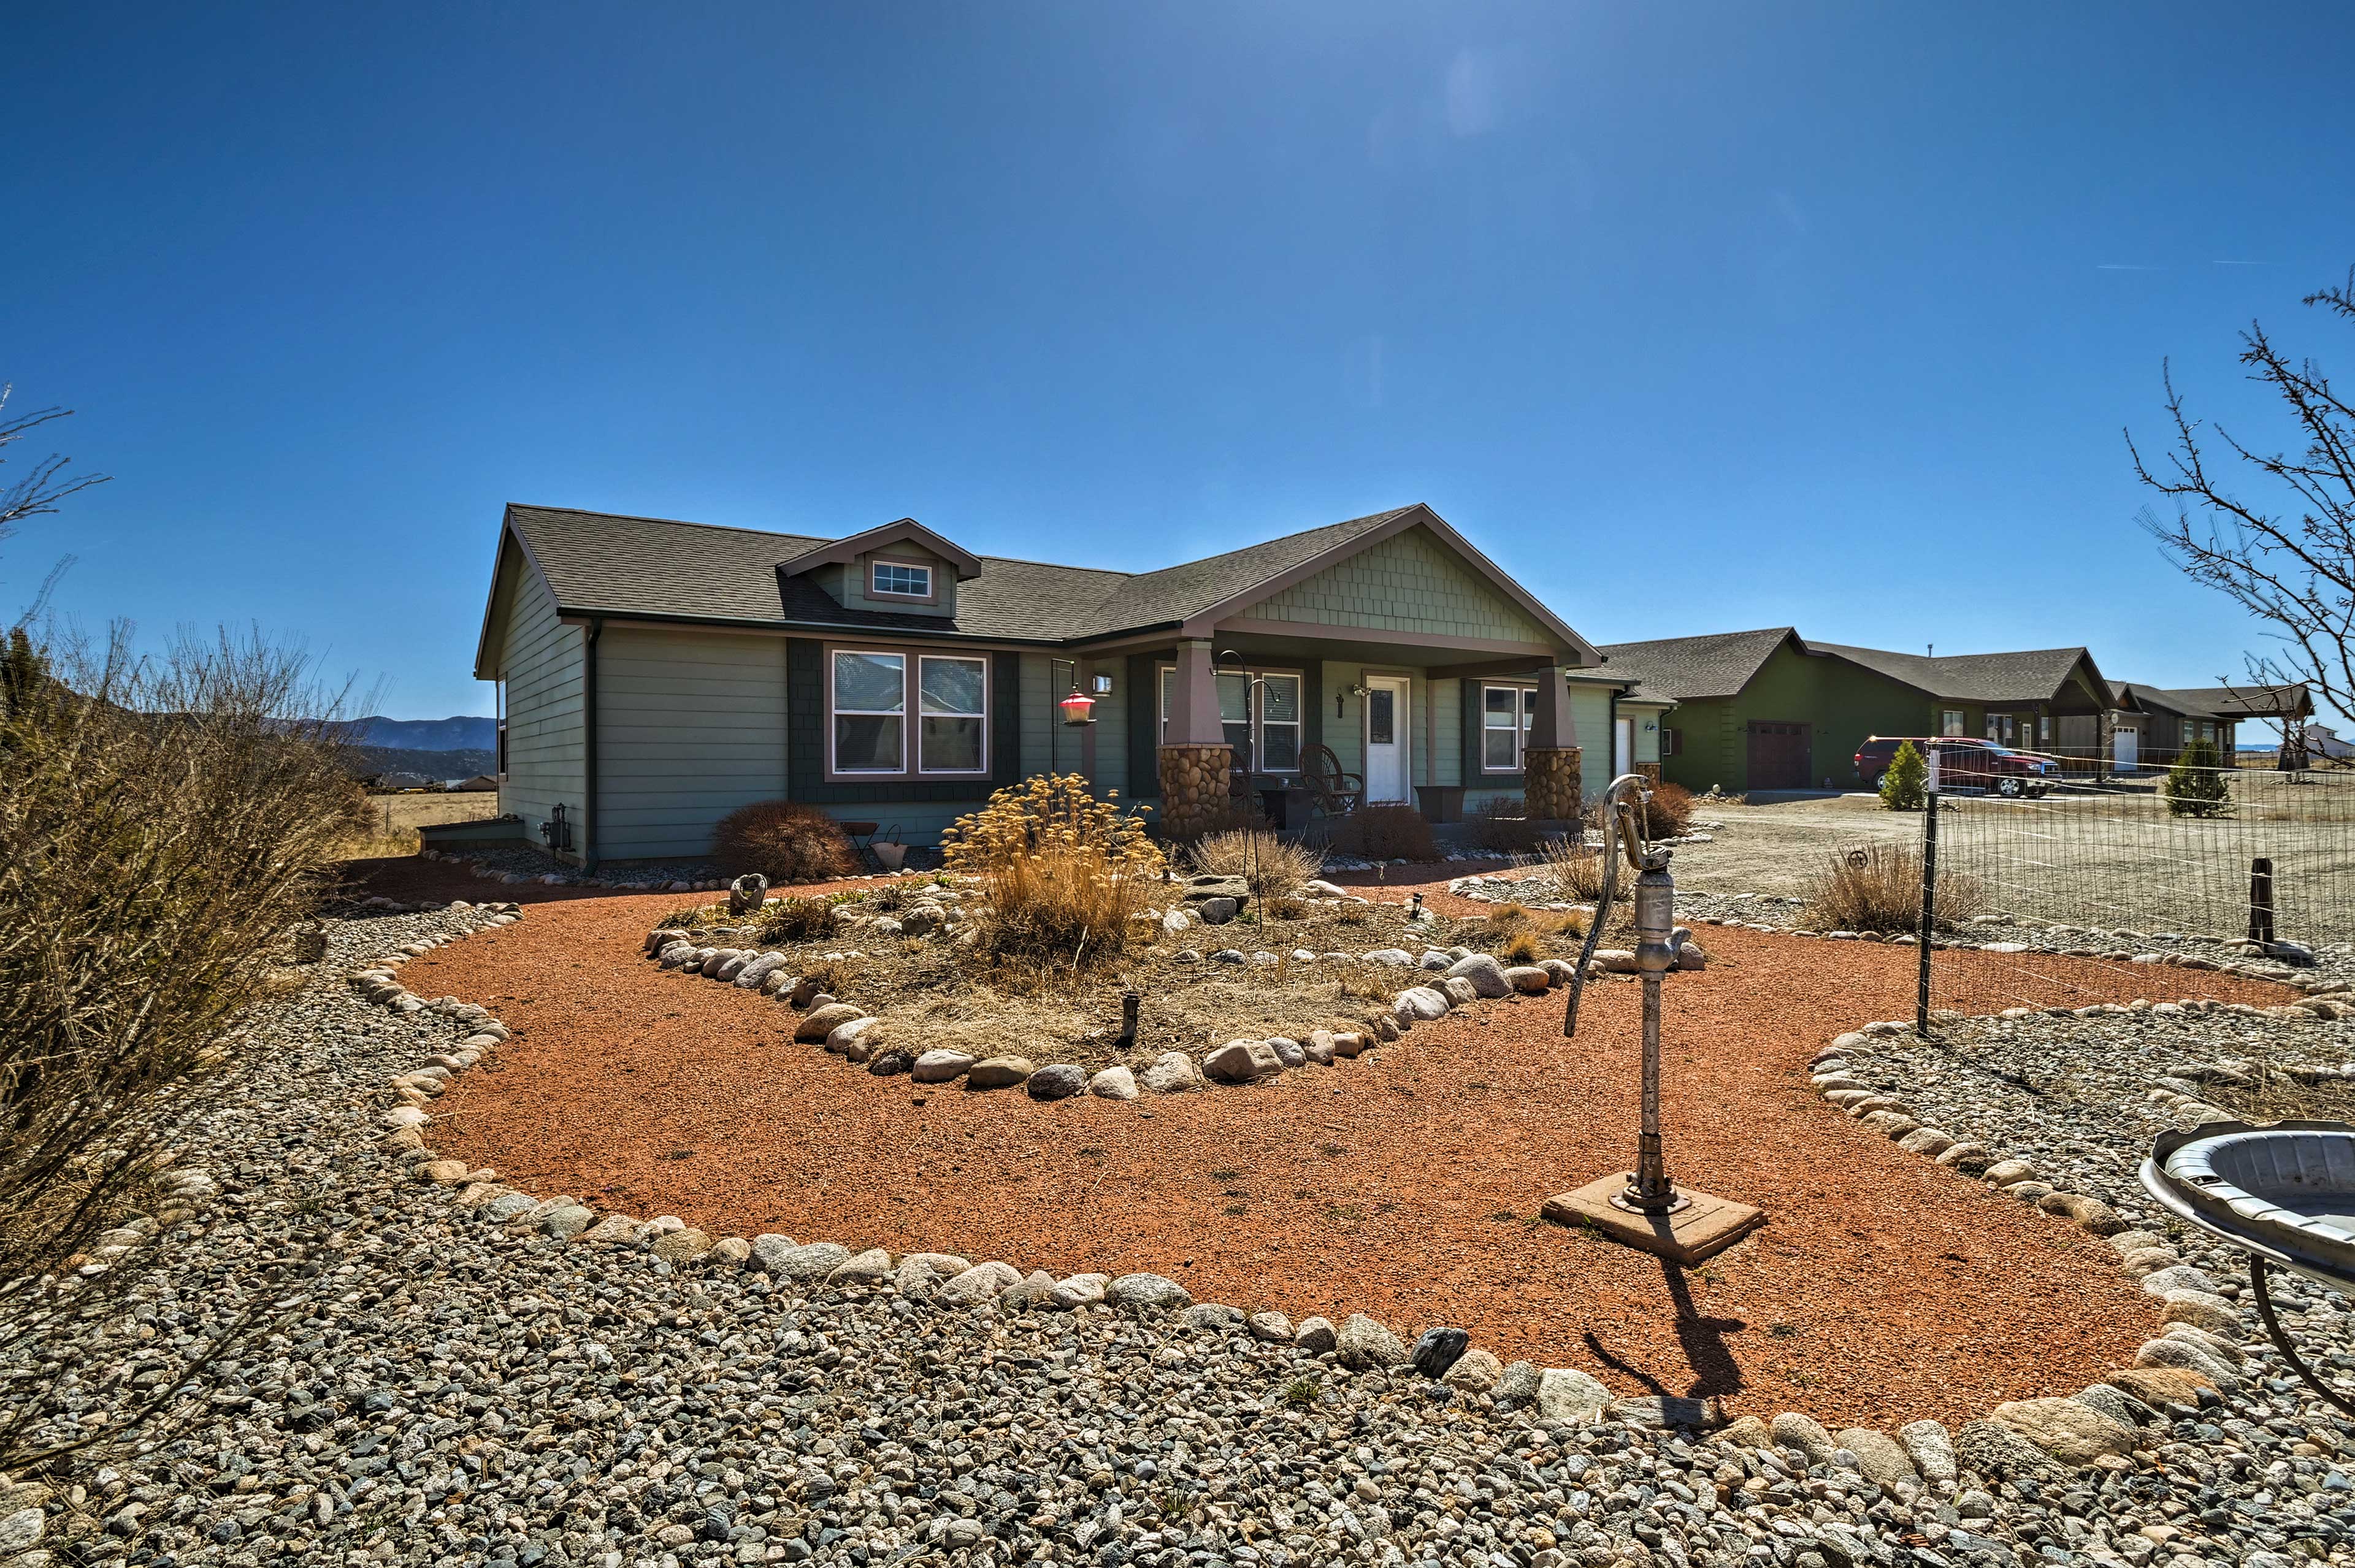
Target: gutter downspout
[(589, 747)]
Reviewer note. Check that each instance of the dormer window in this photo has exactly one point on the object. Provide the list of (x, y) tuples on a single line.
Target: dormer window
[(899, 579)]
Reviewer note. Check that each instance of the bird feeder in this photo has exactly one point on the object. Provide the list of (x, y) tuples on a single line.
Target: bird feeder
[(1077, 708)]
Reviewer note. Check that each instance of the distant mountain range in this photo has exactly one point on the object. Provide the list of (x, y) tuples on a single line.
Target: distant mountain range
[(453, 734), (462, 764)]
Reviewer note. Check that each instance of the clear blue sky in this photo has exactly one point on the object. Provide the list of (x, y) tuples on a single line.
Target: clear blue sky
[(1697, 317)]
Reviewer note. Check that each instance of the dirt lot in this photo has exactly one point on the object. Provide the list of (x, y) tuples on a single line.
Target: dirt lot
[(2109, 859), (393, 819), (1404, 1184)]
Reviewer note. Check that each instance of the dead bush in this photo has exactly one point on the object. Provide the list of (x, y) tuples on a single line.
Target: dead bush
[(1577, 868), (1272, 865), (1879, 888), (795, 919), (1386, 833), (163, 824), (1062, 871), (1521, 947), (784, 841), (1502, 826), (1665, 814)]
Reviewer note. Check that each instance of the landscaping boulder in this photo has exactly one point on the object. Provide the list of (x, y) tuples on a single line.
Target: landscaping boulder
[(1884, 1462), (681, 1246), (1315, 1335), (747, 893), (1438, 1350), (1528, 979), (997, 1072), (1398, 957), (1173, 1072), (1113, 1083), (889, 1063), (1218, 911), (1931, 1450), (922, 919), (2073, 1432), (1147, 1292), (1517, 1386), (982, 1281), (1615, 961), (868, 1267), (1242, 1061), (2159, 1386), (1565, 1393), (820, 1022), (2200, 1309), (1486, 975), (1318, 1047), (857, 1039), (814, 1261), (1475, 1371), (1806, 1435), (1058, 1081), (1419, 1002), (1363, 1343), (1289, 1052), (1349, 1043), (1999, 1454), (1459, 991), (757, 968), (1272, 1326), (941, 1066)]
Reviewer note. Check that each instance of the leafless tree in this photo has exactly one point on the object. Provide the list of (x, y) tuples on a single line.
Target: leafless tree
[(47, 482), (2287, 558)]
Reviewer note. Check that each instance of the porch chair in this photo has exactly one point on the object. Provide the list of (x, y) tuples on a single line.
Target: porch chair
[(1333, 793)]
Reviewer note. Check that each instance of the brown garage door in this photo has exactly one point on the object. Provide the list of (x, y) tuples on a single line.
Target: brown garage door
[(1778, 755)]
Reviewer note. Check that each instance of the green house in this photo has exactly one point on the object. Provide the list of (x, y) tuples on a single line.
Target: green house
[(654, 675), (1769, 709)]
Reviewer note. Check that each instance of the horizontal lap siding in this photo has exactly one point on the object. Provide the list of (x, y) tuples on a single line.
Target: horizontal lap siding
[(691, 725), (543, 663)]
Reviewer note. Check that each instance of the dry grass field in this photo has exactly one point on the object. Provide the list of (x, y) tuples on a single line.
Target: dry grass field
[(393, 819)]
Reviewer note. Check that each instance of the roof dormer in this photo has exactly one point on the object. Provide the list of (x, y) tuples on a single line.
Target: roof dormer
[(902, 567)]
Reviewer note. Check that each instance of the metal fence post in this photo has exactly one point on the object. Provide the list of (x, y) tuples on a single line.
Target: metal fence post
[(1928, 900), (2261, 901)]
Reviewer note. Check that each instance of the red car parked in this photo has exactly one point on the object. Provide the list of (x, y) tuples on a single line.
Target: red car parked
[(1963, 764)]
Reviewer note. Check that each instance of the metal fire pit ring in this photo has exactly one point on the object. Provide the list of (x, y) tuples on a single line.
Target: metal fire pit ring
[(2282, 1193)]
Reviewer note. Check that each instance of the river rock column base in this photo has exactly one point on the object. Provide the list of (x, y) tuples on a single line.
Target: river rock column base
[(1194, 789), (1551, 785)]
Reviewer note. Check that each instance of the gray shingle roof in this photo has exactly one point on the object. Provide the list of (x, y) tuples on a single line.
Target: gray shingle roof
[(1686, 669), (2031, 677), (2250, 701), (662, 567)]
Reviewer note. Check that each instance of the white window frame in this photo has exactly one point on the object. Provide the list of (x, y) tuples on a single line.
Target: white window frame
[(833, 711), (1164, 674), (1528, 711), (874, 589), (1952, 724), (918, 714)]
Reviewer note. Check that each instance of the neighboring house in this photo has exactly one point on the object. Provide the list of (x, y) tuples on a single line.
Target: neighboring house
[(2150, 725), (1769, 709), (2323, 744), (656, 675)]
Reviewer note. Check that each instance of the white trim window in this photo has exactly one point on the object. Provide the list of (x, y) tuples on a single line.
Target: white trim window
[(899, 579), (1506, 714), (1266, 742), (867, 693), (951, 715), (1950, 722)]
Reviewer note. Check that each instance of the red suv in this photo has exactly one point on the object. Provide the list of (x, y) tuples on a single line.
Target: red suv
[(1963, 764)]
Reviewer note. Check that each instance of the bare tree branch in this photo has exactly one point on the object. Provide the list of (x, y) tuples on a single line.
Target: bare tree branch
[(45, 483), (2291, 564)]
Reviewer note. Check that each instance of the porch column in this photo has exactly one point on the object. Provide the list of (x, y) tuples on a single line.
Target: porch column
[(1550, 784), (1194, 756)]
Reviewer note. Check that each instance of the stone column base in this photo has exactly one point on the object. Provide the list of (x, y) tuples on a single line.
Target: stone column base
[(1194, 789), (1648, 772), (1551, 785)]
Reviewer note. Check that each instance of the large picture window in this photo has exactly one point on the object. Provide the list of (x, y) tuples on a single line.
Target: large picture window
[(1265, 741), (1506, 714), (871, 701)]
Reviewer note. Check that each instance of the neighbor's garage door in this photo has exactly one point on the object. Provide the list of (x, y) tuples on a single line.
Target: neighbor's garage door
[(1778, 755)]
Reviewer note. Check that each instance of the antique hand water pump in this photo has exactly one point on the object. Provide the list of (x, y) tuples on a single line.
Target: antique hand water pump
[(1643, 1207)]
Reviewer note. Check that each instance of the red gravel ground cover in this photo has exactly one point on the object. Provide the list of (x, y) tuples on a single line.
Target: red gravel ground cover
[(1883, 1288)]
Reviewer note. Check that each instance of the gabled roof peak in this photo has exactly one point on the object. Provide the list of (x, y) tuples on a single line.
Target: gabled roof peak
[(906, 530)]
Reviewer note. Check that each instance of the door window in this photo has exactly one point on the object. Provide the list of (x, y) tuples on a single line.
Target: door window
[(1381, 717)]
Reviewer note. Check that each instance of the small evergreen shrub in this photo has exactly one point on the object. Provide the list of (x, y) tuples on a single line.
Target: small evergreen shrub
[(2197, 785), (784, 841), (1906, 785)]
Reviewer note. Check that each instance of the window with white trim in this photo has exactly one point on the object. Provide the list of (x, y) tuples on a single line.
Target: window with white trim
[(1950, 722), (899, 580), (1506, 714), (1267, 740), (952, 712), (1999, 728)]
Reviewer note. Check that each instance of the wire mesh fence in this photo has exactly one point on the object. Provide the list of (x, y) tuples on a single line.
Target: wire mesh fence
[(2191, 861)]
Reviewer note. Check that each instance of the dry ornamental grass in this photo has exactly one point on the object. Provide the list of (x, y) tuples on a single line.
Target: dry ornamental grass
[(1879, 888)]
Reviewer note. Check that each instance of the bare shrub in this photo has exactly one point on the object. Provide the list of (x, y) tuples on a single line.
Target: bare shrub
[(1386, 833), (1667, 811), (784, 841), (164, 824), (1063, 872), (1272, 865), (795, 919), (1502, 826), (1879, 888), (1577, 868)]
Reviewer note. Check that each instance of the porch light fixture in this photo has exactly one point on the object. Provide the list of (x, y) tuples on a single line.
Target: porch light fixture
[(1077, 708)]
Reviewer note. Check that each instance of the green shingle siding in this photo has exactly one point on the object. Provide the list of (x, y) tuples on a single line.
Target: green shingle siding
[(1408, 583)]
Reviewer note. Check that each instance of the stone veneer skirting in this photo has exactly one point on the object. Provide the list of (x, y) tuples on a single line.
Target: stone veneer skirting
[(1552, 786), (1194, 788)]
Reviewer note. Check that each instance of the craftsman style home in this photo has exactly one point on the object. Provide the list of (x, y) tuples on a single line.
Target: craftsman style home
[(654, 675)]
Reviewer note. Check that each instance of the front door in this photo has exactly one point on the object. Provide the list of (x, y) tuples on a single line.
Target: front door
[(1778, 755), (1622, 747), (1386, 733)]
